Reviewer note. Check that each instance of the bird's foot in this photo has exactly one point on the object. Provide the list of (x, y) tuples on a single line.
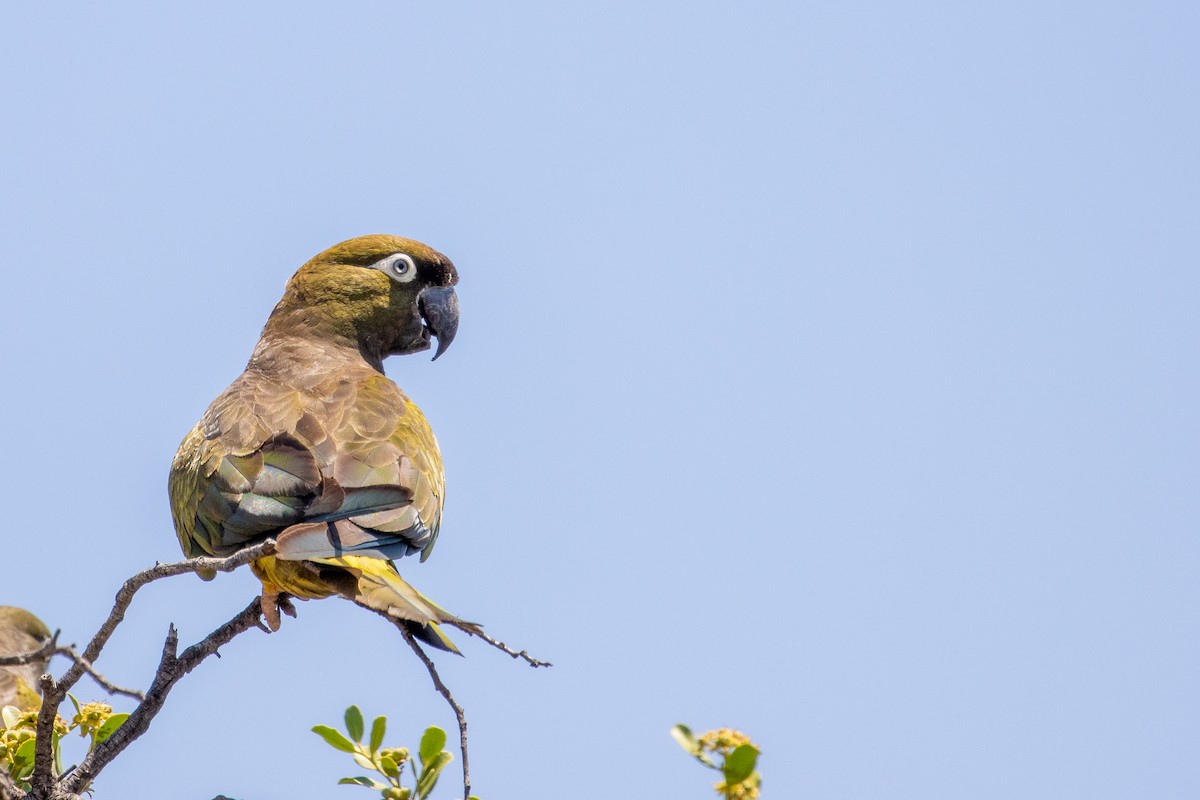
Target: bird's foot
[(272, 602), (284, 601)]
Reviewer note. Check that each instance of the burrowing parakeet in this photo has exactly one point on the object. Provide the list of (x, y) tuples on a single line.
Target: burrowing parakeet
[(20, 633), (314, 446)]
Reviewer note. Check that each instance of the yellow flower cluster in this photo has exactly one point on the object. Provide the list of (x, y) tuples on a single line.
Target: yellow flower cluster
[(397, 754), (392, 760), (91, 716), (722, 741), (746, 790), (10, 740), (22, 730)]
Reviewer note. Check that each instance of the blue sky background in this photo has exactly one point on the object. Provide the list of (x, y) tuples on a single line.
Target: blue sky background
[(826, 371)]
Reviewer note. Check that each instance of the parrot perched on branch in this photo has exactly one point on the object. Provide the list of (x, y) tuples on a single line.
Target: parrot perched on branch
[(21, 633), (312, 445)]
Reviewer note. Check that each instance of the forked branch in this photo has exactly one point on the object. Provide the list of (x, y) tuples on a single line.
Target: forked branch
[(43, 782), (172, 667)]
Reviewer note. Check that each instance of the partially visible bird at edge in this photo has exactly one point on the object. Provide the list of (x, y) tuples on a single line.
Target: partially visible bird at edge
[(20, 633), (313, 446)]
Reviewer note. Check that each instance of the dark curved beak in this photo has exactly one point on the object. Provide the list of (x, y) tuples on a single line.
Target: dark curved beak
[(439, 309)]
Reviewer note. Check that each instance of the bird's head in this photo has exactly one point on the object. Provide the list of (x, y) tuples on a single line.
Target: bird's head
[(385, 294), (21, 621)]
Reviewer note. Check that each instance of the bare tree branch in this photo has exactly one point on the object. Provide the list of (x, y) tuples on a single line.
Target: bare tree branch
[(171, 669), (52, 648), (43, 754), (157, 572), (70, 652), (21, 659), (472, 629), (458, 711), (54, 692), (8, 788), (475, 630)]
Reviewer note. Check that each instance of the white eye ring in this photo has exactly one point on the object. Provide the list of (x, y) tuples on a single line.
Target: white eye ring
[(399, 267)]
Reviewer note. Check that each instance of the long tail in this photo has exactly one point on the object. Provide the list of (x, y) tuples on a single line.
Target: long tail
[(381, 588)]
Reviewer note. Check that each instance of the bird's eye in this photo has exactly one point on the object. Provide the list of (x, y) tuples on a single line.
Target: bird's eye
[(399, 267)]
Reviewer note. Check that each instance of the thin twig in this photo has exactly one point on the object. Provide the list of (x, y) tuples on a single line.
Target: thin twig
[(171, 669), (157, 572), (45, 651), (70, 652), (52, 648), (458, 711), (475, 630)]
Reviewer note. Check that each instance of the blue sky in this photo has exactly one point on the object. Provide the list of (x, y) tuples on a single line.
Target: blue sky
[(827, 372)]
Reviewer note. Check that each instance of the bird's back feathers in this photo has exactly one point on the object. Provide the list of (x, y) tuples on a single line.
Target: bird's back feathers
[(268, 456)]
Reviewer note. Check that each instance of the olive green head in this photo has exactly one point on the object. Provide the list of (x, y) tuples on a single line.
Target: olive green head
[(385, 294)]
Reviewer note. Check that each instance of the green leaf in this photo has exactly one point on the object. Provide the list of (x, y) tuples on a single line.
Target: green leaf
[(687, 740), (430, 772), (378, 729), (334, 738), (110, 726), (55, 738), (432, 743), (691, 745), (22, 762), (354, 723), (74, 702), (389, 767), (363, 781), (10, 714), (364, 762), (739, 764)]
